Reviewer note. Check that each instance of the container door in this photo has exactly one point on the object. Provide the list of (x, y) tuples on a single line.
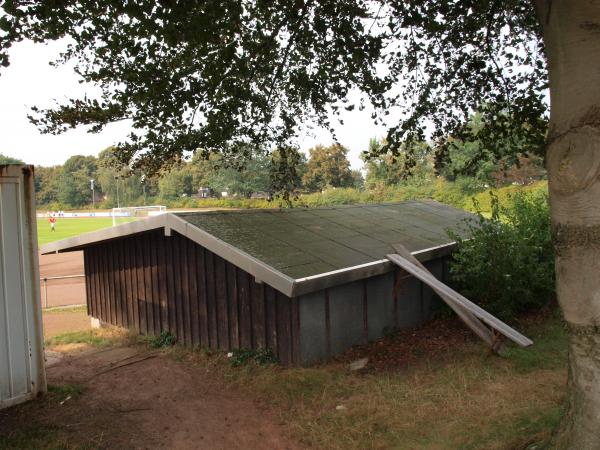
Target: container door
[(21, 352)]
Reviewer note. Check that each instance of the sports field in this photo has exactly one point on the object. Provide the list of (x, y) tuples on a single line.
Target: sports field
[(69, 227)]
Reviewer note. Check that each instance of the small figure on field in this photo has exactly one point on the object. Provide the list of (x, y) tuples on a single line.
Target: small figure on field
[(52, 221)]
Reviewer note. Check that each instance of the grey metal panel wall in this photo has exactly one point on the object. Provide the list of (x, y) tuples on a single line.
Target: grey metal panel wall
[(334, 319), (346, 316), (381, 305), (154, 283), (22, 373)]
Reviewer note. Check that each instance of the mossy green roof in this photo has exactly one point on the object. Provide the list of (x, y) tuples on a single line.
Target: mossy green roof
[(305, 242)]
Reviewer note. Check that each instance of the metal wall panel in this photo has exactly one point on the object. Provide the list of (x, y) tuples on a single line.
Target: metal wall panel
[(334, 319), (22, 374)]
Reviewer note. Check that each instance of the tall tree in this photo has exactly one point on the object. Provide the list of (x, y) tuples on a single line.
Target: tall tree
[(328, 166), (73, 184), (390, 168), (208, 74)]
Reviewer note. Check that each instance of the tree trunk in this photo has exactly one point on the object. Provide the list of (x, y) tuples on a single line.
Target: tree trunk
[(572, 39)]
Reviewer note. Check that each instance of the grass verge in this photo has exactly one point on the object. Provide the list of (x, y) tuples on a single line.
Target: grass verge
[(465, 399), (98, 338)]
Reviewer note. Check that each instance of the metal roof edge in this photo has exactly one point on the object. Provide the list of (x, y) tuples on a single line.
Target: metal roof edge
[(325, 280), (262, 272), (115, 232)]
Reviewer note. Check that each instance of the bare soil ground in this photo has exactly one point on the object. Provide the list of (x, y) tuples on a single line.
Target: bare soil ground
[(69, 291), (133, 398), (58, 322)]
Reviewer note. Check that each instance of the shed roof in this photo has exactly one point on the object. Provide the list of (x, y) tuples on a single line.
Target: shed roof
[(302, 250)]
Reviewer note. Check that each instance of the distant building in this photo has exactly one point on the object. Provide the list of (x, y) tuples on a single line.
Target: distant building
[(203, 192)]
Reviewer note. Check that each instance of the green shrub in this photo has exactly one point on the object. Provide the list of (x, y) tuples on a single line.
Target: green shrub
[(262, 356), (508, 264), (164, 339)]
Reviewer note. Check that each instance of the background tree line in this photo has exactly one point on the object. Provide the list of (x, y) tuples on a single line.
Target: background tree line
[(256, 174)]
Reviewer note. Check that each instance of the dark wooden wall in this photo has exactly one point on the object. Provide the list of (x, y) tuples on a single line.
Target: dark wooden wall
[(153, 283)]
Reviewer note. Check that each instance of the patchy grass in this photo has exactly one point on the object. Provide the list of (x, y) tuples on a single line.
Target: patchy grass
[(36, 438), (463, 398), (66, 309), (98, 338), (64, 391), (41, 436)]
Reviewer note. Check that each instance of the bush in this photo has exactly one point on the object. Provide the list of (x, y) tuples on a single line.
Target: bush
[(242, 356), (508, 263), (164, 339)]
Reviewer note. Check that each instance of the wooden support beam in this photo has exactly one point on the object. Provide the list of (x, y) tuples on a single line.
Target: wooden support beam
[(471, 314)]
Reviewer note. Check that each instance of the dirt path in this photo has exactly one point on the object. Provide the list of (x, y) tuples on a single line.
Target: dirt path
[(154, 402), (64, 322)]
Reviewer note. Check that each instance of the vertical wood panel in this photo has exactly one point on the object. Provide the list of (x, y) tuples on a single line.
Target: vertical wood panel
[(126, 248), (110, 267), (141, 285), (94, 282), (135, 295), (232, 293), (177, 278), (122, 286), (284, 332), (185, 289), (202, 298), (221, 303), (245, 318), (213, 333), (192, 259), (104, 282), (149, 297), (257, 296), (88, 280), (172, 313), (162, 283), (154, 239), (271, 318)]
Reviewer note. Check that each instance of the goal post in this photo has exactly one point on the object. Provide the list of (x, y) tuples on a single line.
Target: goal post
[(131, 213)]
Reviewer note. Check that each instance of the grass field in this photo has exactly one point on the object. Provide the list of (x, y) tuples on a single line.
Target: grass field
[(69, 227)]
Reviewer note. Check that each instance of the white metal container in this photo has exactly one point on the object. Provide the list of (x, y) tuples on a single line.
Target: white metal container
[(22, 372)]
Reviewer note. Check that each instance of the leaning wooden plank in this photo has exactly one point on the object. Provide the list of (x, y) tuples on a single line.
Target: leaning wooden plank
[(464, 314), (455, 297)]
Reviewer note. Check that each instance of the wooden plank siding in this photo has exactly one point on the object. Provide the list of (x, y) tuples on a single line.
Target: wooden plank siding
[(153, 283)]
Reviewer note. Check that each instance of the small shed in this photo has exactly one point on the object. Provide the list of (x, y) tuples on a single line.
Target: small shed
[(306, 283)]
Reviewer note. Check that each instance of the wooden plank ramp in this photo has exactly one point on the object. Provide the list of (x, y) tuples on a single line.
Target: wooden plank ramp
[(475, 317)]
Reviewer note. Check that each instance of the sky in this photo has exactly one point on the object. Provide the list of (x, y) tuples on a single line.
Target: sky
[(31, 81)]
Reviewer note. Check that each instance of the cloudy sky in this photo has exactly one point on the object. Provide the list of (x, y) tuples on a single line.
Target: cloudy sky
[(30, 80)]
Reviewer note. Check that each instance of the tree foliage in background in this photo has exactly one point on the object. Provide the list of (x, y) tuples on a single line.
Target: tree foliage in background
[(73, 184), (9, 160), (390, 168), (328, 166)]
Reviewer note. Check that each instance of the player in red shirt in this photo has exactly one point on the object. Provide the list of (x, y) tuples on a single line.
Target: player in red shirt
[(52, 221)]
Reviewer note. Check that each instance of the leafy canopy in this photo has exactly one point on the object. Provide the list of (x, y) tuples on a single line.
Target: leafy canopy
[(215, 76)]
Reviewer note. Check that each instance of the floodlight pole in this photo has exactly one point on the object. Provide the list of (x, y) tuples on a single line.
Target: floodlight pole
[(118, 201), (93, 196), (143, 181)]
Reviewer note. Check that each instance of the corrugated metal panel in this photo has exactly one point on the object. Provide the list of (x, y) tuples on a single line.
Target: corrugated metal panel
[(22, 374)]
